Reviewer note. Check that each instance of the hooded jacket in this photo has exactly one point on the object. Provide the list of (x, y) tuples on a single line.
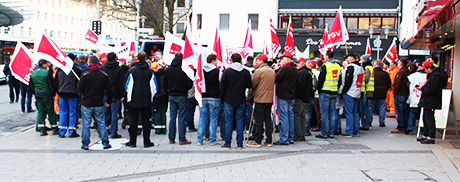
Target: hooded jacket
[(432, 91), (141, 86), (400, 84), (116, 74), (161, 93), (233, 85), (66, 84), (382, 83), (304, 86), (93, 83), (286, 79), (212, 77), (175, 81)]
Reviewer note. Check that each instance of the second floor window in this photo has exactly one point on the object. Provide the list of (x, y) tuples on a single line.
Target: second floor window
[(224, 21)]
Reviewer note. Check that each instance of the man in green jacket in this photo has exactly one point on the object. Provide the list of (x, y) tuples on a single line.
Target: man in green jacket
[(41, 84)]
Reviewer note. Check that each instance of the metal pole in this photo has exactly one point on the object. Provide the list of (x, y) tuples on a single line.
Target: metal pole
[(138, 4), (378, 50), (98, 18)]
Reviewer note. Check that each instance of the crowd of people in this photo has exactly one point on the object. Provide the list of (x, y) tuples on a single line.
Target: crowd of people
[(247, 97)]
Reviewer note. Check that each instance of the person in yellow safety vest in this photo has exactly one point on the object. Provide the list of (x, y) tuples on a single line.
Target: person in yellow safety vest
[(328, 85), (368, 89), (393, 70)]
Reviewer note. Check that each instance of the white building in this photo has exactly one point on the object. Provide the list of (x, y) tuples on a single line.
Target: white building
[(182, 13), (232, 19), (65, 21)]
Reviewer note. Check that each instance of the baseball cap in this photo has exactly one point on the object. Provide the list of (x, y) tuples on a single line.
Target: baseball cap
[(417, 61), (426, 63), (103, 55), (261, 56), (122, 60), (286, 54), (313, 61), (301, 60)]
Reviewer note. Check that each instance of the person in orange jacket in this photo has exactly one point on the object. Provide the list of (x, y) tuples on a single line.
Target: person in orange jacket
[(392, 71)]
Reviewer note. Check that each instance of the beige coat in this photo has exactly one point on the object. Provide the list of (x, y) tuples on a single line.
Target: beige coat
[(263, 82)]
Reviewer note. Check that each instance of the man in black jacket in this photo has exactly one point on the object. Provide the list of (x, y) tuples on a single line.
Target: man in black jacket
[(115, 72), (382, 83), (141, 87), (430, 100), (176, 83), (235, 81), (92, 85), (303, 93)]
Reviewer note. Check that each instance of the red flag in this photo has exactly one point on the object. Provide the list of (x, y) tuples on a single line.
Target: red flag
[(275, 42), (22, 63), (187, 62), (289, 45), (200, 86), (132, 47), (338, 33), (92, 39), (322, 47), (218, 50), (368, 47), (45, 48), (247, 47), (392, 53)]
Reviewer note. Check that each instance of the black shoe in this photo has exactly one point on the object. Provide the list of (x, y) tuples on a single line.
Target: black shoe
[(48, 129), (421, 138), (151, 144), (43, 133), (428, 141), (192, 130), (129, 145), (74, 135), (320, 136), (55, 132), (93, 127), (362, 128), (251, 138), (11, 102), (370, 124), (382, 125), (31, 111), (116, 136), (338, 133), (299, 139), (280, 143), (330, 136), (291, 142), (408, 131), (108, 146), (84, 148), (308, 134), (226, 147), (62, 136)]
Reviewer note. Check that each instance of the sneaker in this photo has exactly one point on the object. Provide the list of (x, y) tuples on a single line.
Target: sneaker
[(116, 136), (206, 139), (428, 140), (215, 143), (421, 138), (84, 148), (107, 147), (186, 142), (226, 147), (356, 135), (130, 145), (321, 136), (291, 142), (239, 147), (254, 144), (330, 136), (43, 133), (382, 125), (397, 131), (74, 135), (268, 144), (346, 136), (199, 144)]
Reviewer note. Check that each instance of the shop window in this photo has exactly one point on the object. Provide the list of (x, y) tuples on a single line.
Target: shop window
[(307, 22), (254, 21), (388, 22), (329, 22), (352, 23), (363, 22), (199, 21), (318, 23), (296, 22), (284, 22), (376, 21), (180, 28), (224, 21)]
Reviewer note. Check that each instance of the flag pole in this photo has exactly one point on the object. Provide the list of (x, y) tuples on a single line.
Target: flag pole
[(346, 48), (78, 78)]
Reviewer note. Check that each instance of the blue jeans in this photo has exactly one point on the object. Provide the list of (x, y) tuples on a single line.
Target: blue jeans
[(98, 117), (26, 91), (413, 115), (247, 114), (222, 120), (68, 115), (338, 123), (232, 110), (402, 115), (310, 109), (328, 113), (177, 105), (209, 116), (286, 115), (362, 109), (115, 108), (350, 109), (191, 106), (376, 103)]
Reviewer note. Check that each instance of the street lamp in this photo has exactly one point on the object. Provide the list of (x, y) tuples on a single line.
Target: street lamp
[(371, 29), (386, 30)]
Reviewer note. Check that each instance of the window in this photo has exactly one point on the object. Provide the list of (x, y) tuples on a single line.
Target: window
[(71, 20), (71, 36), (65, 20), (51, 33), (21, 31), (52, 18), (318, 23), (30, 31), (45, 16), (180, 27), (59, 19), (59, 35), (38, 15), (59, 3), (198, 21), (329, 22), (224, 21), (180, 3), (388, 22), (284, 22), (296, 22), (65, 35), (6, 29), (52, 2), (376, 21), (46, 2), (166, 27), (363, 22), (307, 23), (352, 23), (254, 21)]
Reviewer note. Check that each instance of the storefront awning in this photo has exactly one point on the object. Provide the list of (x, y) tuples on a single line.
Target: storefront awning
[(9, 17), (333, 12)]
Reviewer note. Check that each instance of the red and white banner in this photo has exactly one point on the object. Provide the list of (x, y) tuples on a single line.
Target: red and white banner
[(217, 48), (188, 57), (338, 33), (392, 53), (132, 47), (289, 45), (368, 47), (92, 39), (322, 47), (124, 51), (174, 44), (274, 39), (275, 107), (248, 49), (231, 51), (45, 48), (200, 84), (22, 63)]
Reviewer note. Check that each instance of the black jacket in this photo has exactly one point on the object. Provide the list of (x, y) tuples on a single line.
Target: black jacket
[(432, 91), (400, 84), (92, 85), (175, 81), (233, 85), (304, 86), (66, 84), (382, 83), (116, 74), (141, 91), (212, 83), (286, 80), (161, 93)]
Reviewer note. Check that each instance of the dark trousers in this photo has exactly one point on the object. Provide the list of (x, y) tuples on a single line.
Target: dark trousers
[(13, 83), (429, 123), (26, 93), (146, 126), (262, 112), (190, 117), (317, 111)]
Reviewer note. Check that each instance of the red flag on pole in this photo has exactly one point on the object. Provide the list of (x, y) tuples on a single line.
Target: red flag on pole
[(247, 47), (275, 42), (338, 33), (392, 53), (45, 48), (187, 62), (218, 50), (322, 47), (289, 45), (368, 47), (200, 86), (22, 63)]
